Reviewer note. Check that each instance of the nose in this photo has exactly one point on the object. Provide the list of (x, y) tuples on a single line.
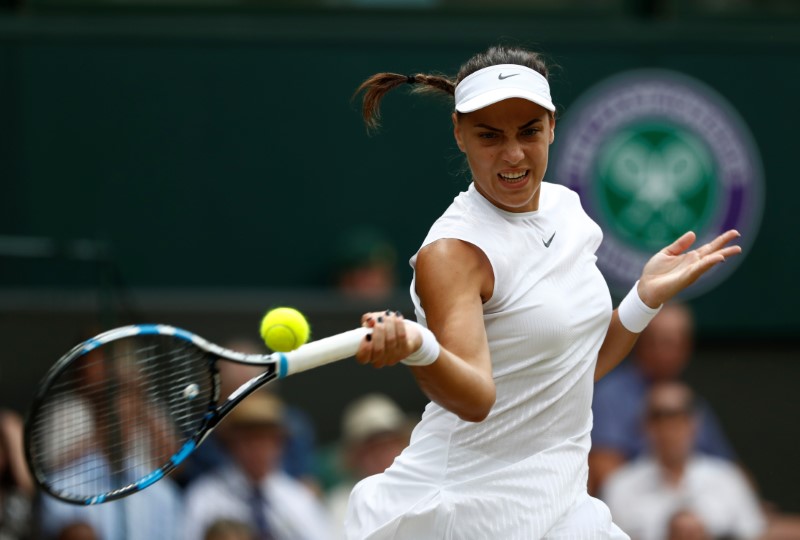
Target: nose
[(512, 152)]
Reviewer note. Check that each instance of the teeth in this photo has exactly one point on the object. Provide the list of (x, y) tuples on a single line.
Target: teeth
[(514, 177)]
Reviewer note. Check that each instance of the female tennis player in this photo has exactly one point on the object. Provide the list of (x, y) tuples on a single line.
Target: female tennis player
[(515, 323)]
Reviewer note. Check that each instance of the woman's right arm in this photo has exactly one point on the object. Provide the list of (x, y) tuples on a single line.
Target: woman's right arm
[(452, 279)]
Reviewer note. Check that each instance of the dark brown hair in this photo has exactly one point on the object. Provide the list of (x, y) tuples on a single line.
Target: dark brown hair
[(376, 86)]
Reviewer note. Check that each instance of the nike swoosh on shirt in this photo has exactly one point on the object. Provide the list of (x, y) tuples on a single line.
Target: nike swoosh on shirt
[(547, 244)]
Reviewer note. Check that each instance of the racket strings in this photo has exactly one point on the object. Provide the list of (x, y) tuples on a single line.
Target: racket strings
[(119, 412)]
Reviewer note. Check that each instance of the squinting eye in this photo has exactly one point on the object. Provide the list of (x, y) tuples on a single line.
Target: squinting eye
[(487, 135), (530, 132)]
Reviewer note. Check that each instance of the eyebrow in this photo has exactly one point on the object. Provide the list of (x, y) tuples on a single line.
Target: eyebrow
[(490, 128)]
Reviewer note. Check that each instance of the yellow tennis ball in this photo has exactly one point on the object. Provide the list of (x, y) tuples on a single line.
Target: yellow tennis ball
[(284, 329)]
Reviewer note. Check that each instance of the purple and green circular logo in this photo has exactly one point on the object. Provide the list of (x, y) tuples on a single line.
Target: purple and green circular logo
[(653, 154)]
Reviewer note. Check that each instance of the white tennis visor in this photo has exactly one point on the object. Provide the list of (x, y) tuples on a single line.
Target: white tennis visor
[(503, 81)]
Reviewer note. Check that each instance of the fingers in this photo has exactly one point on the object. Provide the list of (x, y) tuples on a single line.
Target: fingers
[(681, 244), (674, 268), (730, 251), (715, 252), (717, 248), (385, 338), (719, 244), (387, 344), (704, 265)]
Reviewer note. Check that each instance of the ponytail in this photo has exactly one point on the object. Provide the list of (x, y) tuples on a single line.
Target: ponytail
[(378, 85)]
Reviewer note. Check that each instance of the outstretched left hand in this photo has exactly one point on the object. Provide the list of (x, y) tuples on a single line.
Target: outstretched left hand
[(673, 268)]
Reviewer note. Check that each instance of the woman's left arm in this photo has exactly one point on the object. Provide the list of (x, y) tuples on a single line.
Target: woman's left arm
[(666, 274)]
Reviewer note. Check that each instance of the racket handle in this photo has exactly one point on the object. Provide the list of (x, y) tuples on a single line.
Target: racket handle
[(323, 351)]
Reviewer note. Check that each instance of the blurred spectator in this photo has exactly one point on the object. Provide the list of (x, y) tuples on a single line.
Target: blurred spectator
[(78, 531), (675, 492), (253, 489), (228, 529), (685, 525), (16, 484), (365, 264), (662, 353), (374, 432), (300, 442)]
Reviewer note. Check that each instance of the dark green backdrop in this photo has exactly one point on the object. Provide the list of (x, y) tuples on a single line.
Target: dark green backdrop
[(223, 151)]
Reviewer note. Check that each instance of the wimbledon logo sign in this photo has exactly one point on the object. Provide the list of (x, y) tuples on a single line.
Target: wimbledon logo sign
[(653, 154)]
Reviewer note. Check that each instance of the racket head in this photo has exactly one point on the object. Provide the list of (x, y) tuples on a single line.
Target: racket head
[(120, 411)]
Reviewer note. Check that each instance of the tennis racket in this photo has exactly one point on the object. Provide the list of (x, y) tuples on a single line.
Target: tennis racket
[(121, 410)]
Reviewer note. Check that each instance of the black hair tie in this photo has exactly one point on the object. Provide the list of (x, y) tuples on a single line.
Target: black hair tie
[(411, 79)]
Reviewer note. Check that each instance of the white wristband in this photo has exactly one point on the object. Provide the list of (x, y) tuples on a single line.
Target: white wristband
[(634, 314), (428, 351)]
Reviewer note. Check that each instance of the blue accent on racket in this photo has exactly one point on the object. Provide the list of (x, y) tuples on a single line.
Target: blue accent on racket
[(96, 500), (149, 329), (283, 365), (150, 479), (183, 453), (188, 336), (90, 345)]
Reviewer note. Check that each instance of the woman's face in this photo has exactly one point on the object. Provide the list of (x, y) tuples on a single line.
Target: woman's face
[(506, 145)]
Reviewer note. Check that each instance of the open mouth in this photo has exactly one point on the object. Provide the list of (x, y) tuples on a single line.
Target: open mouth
[(514, 177)]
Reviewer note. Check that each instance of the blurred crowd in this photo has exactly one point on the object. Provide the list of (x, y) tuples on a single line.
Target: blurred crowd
[(660, 460), (253, 478)]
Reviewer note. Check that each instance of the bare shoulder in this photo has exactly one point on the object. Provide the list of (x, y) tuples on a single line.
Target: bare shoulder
[(450, 263)]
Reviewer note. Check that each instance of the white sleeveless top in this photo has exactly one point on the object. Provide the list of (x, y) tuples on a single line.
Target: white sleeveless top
[(515, 473)]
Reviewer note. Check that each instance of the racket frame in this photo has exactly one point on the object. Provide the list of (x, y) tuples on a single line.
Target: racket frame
[(277, 365)]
